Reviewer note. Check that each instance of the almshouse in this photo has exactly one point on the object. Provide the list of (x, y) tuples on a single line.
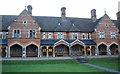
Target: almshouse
[(43, 36)]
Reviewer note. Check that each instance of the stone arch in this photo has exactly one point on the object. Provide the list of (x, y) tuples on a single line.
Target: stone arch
[(61, 50), (102, 49), (114, 48), (16, 50), (31, 50)]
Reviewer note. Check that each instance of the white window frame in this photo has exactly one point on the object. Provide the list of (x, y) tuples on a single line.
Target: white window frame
[(6, 34), (73, 34), (43, 35), (101, 36), (19, 33), (84, 35), (113, 36), (29, 33), (61, 35), (50, 35)]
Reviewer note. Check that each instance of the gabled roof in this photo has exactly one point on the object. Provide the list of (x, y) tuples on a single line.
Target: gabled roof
[(51, 24)]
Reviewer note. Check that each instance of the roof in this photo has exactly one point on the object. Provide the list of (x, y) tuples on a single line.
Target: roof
[(52, 42), (52, 23), (57, 24), (3, 42)]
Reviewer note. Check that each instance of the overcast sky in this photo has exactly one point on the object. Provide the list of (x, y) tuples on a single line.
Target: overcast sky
[(74, 8)]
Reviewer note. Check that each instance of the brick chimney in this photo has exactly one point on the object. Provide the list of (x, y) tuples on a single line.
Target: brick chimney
[(63, 12), (93, 15), (118, 15), (29, 7)]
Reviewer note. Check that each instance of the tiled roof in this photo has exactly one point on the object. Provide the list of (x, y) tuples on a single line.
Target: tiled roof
[(51, 42), (52, 23)]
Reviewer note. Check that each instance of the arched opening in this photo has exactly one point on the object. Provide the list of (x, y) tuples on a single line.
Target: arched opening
[(102, 49), (16, 51), (50, 51), (3, 51), (88, 50), (61, 50), (44, 51), (32, 51), (77, 50), (114, 49)]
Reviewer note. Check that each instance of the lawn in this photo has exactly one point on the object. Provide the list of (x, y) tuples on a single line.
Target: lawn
[(46, 66), (111, 63)]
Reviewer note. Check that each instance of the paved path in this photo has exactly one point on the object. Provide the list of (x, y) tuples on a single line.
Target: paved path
[(55, 58), (102, 68)]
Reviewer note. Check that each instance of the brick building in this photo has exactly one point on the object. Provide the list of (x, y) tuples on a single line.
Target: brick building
[(25, 35)]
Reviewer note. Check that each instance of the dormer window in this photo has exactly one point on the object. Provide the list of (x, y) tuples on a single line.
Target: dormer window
[(60, 35)]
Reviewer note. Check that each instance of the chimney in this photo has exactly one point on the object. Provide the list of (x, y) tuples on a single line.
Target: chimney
[(63, 13), (29, 7), (118, 15), (93, 15)]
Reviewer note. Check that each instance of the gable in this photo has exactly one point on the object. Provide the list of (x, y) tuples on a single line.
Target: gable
[(106, 24), (24, 20)]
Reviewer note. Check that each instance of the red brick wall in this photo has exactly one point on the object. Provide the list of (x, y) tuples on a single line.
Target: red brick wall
[(18, 24), (101, 27)]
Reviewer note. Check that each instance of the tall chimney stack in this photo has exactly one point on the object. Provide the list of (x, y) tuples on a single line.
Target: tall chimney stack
[(63, 12), (29, 7), (93, 15)]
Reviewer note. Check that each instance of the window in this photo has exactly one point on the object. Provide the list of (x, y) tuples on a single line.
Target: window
[(101, 34), (60, 35), (113, 35), (1, 35), (44, 35), (75, 35), (16, 33), (89, 36), (107, 25), (32, 34), (83, 36), (49, 35), (24, 22), (6, 34)]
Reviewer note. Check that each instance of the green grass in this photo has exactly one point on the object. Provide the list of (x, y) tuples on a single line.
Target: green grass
[(46, 66), (111, 63)]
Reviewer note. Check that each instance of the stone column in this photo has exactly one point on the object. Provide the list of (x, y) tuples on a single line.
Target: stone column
[(53, 52), (9, 52), (47, 52), (90, 51), (84, 50), (69, 51), (6, 52), (96, 51), (38, 51), (24, 52), (108, 50)]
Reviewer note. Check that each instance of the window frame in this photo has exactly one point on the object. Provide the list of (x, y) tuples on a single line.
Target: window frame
[(50, 35), (113, 36), (101, 34), (74, 35), (32, 33), (19, 35), (61, 35)]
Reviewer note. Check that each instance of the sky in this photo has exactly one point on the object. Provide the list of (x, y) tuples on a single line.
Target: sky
[(74, 8)]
